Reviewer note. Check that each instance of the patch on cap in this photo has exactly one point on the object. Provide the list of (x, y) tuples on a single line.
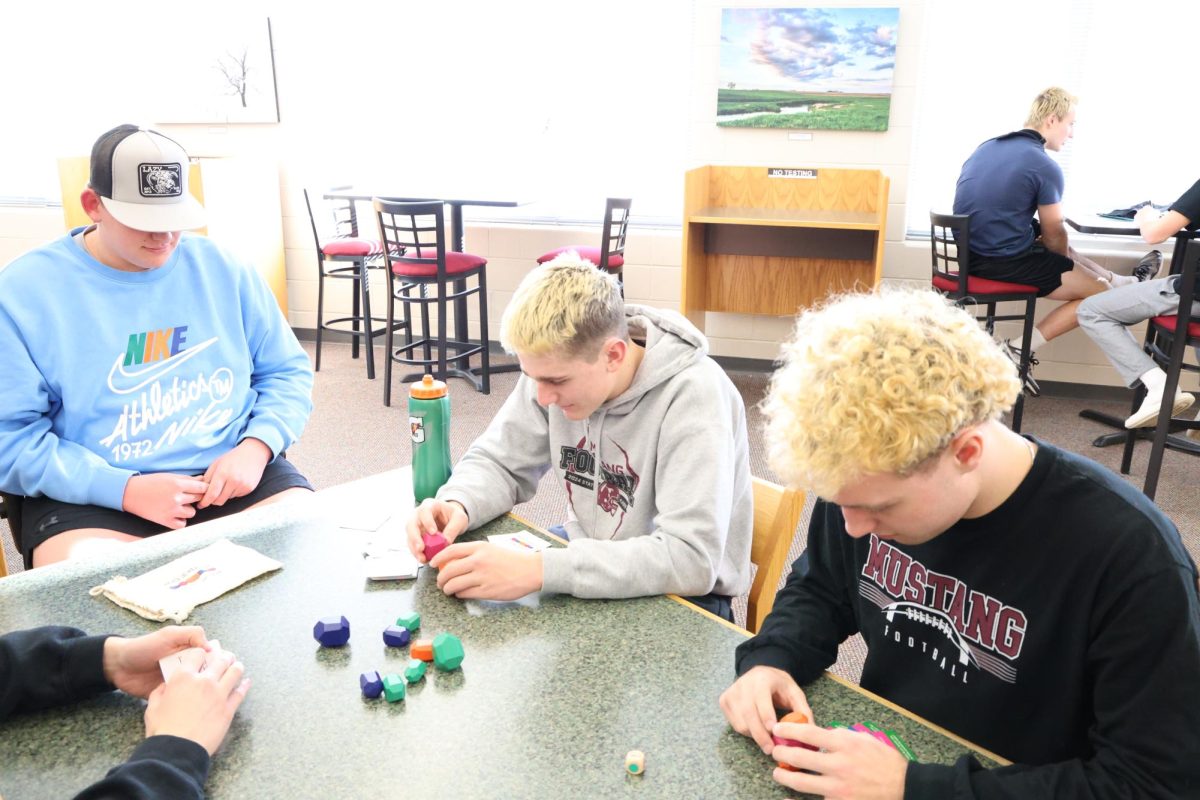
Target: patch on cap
[(141, 177), (160, 180)]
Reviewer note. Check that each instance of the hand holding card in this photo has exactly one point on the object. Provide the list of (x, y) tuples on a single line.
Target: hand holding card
[(195, 659)]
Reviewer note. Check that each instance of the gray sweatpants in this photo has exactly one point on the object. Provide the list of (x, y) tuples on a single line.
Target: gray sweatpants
[(1106, 316)]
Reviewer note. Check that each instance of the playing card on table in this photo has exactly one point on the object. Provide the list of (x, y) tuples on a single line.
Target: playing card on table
[(521, 541), (389, 559)]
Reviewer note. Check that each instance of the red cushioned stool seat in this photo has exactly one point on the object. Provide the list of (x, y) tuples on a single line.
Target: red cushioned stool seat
[(592, 254), (983, 285), (1171, 322), (456, 264), (351, 247)]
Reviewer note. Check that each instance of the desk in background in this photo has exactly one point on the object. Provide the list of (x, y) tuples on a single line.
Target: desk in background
[(758, 240), (551, 696), (1094, 223), (456, 202)]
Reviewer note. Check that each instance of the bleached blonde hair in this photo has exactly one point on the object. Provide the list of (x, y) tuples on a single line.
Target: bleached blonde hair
[(567, 307), (1053, 102), (880, 383)]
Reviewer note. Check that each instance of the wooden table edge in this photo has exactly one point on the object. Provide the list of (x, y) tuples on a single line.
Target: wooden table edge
[(837, 678)]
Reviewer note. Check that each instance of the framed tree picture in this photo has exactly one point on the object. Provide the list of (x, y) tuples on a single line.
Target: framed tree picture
[(220, 71), (811, 68)]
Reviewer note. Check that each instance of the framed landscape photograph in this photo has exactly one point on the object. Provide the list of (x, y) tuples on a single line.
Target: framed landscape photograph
[(808, 68)]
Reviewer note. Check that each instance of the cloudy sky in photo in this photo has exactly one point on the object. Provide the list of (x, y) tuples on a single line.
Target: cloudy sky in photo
[(811, 49)]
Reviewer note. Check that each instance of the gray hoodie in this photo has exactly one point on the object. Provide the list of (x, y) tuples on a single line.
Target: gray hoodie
[(658, 478)]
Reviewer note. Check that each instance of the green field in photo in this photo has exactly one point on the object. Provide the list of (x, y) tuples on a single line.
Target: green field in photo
[(827, 110)]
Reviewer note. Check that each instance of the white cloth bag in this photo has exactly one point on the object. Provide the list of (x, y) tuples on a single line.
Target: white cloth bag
[(173, 590)]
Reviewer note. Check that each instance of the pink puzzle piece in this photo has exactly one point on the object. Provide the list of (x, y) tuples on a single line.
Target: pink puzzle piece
[(434, 544)]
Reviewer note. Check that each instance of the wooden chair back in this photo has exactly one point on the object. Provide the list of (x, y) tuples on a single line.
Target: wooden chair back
[(776, 514)]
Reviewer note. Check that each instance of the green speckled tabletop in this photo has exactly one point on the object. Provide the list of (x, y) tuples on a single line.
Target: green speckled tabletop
[(552, 694)]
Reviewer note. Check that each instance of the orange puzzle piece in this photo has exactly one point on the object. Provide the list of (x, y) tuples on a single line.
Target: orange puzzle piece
[(422, 649)]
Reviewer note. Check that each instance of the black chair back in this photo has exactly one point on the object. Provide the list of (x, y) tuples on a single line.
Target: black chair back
[(616, 225), (343, 214), (950, 243), (414, 233)]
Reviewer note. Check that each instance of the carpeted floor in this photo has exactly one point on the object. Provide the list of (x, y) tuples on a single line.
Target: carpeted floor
[(352, 435)]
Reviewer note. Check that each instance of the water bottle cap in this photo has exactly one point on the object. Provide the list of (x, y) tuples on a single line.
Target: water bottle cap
[(428, 389)]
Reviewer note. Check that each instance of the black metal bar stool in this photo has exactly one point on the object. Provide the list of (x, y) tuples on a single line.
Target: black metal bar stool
[(1167, 339), (344, 254), (952, 277), (610, 255), (413, 236)]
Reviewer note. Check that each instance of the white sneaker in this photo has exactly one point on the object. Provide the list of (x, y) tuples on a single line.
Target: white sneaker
[(1194, 433), (1147, 413)]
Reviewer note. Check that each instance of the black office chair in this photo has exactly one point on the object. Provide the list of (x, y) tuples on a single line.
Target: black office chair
[(1166, 342), (356, 256), (415, 247), (610, 255), (952, 277)]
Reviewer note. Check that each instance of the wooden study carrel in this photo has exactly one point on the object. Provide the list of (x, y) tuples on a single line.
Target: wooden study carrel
[(762, 240)]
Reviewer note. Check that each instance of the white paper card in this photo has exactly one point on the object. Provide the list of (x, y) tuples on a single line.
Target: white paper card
[(393, 566), (521, 541), (195, 658), (389, 559)]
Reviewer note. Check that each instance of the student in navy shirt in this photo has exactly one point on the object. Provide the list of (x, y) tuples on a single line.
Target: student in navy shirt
[(1005, 182)]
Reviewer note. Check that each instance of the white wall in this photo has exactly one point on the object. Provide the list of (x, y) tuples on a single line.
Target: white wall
[(306, 85)]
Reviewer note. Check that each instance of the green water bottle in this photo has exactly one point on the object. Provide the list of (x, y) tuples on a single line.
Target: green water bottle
[(429, 424)]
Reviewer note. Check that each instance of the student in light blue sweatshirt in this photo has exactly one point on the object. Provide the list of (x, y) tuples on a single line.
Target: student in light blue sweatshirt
[(150, 379)]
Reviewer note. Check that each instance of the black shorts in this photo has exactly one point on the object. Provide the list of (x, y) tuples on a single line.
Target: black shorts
[(1037, 266), (43, 517)]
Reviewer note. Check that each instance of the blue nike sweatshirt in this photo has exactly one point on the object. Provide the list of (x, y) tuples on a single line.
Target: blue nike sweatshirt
[(108, 374)]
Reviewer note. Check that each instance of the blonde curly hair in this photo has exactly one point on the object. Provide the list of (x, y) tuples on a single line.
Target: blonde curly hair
[(880, 383), (566, 306)]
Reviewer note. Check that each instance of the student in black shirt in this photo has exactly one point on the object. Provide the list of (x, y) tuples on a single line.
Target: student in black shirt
[(186, 717), (1018, 595)]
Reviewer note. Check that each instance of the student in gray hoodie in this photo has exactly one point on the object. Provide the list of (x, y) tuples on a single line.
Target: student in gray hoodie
[(647, 434)]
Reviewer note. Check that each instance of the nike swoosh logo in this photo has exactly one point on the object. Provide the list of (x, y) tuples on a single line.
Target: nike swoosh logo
[(131, 380)]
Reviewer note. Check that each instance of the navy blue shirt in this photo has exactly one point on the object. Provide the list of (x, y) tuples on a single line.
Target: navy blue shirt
[(1001, 186)]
